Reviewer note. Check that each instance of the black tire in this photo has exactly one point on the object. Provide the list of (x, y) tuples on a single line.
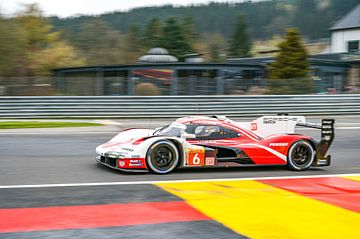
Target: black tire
[(301, 155), (162, 157)]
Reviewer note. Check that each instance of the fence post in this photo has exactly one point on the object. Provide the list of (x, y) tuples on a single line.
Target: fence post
[(99, 86), (131, 83), (220, 82), (174, 83)]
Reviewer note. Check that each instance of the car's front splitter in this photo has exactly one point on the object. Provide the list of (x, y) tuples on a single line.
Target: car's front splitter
[(98, 159)]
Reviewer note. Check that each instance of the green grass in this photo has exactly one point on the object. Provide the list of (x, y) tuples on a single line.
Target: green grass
[(38, 124)]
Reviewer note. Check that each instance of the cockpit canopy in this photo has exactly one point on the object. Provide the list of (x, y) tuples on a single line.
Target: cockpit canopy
[(172, 130)]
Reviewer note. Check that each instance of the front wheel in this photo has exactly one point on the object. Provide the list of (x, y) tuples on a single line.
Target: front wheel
[(301, 155), (162, 157)]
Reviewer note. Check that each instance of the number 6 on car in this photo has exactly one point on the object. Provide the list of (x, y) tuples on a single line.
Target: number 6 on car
[(196, 157)]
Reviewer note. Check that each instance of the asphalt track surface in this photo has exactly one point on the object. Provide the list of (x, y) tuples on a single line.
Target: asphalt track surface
[(57, 156), (66, 156)]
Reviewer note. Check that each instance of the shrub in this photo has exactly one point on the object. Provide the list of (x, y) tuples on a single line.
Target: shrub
[(147, 89)]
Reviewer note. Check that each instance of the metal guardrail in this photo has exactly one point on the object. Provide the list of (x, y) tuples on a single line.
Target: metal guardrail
[(175, 106)]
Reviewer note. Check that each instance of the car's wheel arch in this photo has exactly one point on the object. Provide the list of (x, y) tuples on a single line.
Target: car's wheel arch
[(180, 149), (175, 143), (309, 141)]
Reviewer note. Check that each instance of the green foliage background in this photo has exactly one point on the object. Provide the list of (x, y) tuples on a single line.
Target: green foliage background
[(264, 18), (290, 70), (32, 45)]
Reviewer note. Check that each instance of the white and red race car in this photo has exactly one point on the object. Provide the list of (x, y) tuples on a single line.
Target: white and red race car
[(198, 141)]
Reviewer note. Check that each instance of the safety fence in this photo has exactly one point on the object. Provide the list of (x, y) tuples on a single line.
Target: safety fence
[(175, 106)]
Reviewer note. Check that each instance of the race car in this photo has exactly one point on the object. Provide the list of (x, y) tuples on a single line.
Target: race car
[(214, 141)]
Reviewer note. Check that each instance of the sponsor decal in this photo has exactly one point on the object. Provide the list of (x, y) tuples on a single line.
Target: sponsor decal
[(135, 164), (253, 126), (327, 137), (121, 163), (135, 156), (278, 144), (273, 120), (195, 157), (269, 121), (327, 127), (135, 160), (210, 161), (206, 141)]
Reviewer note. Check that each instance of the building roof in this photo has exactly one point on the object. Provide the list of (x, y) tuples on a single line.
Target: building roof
[(157, 55), (330, 59), (351, 20)]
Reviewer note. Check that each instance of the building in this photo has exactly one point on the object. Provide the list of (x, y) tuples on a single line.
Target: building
[(235, 76), (337, 71), (345, 34)]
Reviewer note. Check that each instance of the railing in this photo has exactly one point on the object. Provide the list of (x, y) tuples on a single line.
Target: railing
[(175, 106)]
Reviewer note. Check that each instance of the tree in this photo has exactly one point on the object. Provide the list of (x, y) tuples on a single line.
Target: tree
[(239, 45), (99, 43), (11, 46), (290, 70), (265, 18), (57, 55), (132, 47), (174, 39), (153, 33), (189, 30), (216, 47), (307, 18), (24, 41), (191, 34), (291, 62)]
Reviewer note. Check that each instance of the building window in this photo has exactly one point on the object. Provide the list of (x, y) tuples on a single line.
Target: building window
[(353, 46)]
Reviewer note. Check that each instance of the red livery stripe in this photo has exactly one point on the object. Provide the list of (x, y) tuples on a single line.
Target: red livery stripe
[(93, 216), (336, 191)]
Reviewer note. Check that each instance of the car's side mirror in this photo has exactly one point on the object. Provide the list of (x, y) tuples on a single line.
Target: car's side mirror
[(188, 136)]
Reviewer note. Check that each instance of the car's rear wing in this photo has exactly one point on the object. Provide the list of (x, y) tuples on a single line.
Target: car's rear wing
[(326, 126), (327, 137)]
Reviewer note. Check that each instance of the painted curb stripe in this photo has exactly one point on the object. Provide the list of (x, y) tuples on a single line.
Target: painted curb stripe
[(78, 196), (94, 216), (336, 191), (354, 178), (258, 210), (175, 230)]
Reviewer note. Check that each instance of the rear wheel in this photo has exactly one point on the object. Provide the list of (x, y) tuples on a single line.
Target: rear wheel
[(162, 157), (301, 155)]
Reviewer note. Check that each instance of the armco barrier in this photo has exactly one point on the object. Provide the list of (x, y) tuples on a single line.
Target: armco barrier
[(175, 106)]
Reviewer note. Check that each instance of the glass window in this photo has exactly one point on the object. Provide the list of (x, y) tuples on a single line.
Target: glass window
[(206, 130), (214, 132), (353, 46), (173, 130)]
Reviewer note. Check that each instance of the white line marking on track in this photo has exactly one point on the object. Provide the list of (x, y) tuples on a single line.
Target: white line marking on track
[(169, 181), (354, 127)]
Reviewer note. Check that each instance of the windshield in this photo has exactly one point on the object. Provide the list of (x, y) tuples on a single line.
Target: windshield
[(173, 130)]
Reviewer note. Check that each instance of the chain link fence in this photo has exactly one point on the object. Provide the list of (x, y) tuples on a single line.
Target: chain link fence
[(169, 85)]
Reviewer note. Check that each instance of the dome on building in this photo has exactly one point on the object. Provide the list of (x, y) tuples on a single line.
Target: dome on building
[(158, 51), (157, 55)]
